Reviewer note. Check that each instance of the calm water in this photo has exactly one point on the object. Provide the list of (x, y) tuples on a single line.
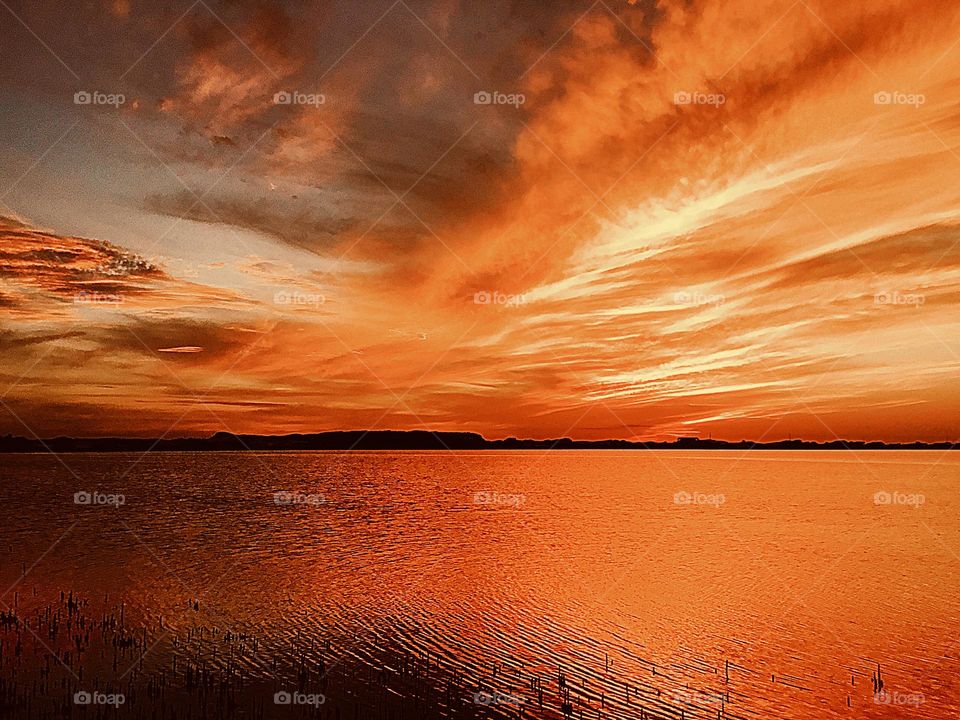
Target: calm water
[(775, 581)]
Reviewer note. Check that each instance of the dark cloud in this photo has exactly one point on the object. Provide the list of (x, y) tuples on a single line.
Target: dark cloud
[(33, 260), (289, 220), (145, 335)]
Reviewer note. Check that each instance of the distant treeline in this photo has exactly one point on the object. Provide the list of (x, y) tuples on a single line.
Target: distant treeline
[(416, 440)]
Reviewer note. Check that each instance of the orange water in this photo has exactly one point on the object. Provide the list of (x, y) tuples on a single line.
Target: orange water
[(779, 587)]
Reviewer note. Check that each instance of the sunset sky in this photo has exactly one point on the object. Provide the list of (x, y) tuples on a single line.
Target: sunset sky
[(727, 218)]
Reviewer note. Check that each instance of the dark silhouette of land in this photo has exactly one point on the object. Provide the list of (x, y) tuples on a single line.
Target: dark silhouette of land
[(416, 440)]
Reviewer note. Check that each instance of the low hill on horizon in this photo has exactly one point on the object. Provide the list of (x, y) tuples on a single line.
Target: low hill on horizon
[(361, 440)]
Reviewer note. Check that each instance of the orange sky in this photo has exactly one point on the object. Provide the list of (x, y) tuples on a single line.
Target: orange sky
[(736, 219)]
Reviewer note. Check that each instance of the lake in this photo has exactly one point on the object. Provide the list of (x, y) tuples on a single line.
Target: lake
[(594, 584)]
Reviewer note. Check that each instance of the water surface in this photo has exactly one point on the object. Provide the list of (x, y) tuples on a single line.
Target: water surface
[(765, 584)]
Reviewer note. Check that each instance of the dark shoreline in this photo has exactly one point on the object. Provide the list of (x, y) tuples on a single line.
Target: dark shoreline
[(392, 440)]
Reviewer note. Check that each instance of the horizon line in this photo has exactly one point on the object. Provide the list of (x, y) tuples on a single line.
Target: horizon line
[(421, 439)]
